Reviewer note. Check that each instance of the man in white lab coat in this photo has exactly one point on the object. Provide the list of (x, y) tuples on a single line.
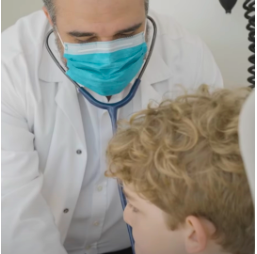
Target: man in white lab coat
[(55, 198)]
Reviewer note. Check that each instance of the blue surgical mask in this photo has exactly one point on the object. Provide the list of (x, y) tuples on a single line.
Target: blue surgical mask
[(106, 67)]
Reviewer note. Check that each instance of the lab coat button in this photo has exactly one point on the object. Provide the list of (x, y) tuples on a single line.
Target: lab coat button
[(88, 247), (79, 151), (99, 188), (66, 210), (96, 223)]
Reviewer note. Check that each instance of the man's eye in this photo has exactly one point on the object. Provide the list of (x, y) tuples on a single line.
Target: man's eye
[(85, 40), (124, 35)]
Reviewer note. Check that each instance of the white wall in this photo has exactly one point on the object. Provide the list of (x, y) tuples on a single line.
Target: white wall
[(225, 35), (14, 9)]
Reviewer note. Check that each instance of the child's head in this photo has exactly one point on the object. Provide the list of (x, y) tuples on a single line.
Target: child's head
[(183, 175)]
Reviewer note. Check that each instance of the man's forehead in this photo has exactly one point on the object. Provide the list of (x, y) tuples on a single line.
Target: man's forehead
[(99, 10), (105, 20), (91, 32)]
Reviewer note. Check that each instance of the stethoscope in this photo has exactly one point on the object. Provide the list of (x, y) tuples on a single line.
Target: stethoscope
[(112, 108)]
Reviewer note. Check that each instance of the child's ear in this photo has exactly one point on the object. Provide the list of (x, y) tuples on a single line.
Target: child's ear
[(198, 232)]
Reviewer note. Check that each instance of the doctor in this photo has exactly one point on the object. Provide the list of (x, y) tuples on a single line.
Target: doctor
[(55, 198)]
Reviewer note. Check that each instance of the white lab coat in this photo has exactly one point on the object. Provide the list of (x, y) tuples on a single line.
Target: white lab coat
[(42, 128)]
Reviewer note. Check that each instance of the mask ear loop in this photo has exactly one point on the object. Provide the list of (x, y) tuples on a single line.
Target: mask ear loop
[(60, 39), (144, 34), (145, 28), (65, 67)]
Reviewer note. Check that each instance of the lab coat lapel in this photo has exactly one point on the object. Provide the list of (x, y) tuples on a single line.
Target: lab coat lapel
[(156, 74), (67, 100), (66, 97)]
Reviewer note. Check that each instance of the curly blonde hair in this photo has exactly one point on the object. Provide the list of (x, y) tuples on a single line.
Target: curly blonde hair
[(184, 157)]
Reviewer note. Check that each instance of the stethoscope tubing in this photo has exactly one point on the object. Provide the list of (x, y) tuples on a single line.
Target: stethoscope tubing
[(112, 108)]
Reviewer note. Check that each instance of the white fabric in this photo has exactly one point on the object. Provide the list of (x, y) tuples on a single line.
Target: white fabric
[(108, 229), (247, 139), (53, 195)]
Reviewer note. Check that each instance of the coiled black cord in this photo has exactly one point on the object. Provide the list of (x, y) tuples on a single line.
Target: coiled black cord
[(249, 6)]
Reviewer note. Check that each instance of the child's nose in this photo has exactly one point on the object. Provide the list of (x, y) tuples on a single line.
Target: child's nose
[(126, 216)]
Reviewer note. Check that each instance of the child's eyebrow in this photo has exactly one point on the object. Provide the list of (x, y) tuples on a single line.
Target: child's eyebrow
[(128, 196)]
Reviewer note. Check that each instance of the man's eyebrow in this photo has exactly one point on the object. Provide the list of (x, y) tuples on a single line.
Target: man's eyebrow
[(130, 29), (87, 34), (80, 34)]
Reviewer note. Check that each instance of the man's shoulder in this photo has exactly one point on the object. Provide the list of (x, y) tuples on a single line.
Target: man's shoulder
[(22, 51), (170, 29), (24, 37), (185, 54)]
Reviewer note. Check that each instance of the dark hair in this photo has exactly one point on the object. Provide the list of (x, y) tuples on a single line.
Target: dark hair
[(51, 8), (49, 4)]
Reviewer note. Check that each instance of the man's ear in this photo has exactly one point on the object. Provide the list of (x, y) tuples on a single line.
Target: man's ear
[(198, 232), (48, 15)]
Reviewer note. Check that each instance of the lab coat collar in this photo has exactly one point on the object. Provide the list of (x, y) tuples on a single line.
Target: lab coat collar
[(48, 70), (66, 97), (157, 70), (153, 79)]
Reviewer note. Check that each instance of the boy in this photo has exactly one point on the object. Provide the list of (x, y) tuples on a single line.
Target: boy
[(183, 176)]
